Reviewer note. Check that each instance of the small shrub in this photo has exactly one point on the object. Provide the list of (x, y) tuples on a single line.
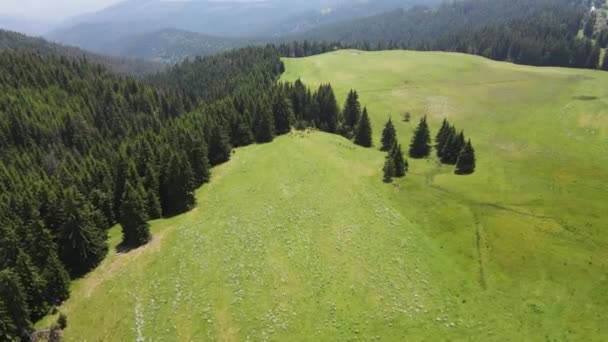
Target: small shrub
[(62, 321)]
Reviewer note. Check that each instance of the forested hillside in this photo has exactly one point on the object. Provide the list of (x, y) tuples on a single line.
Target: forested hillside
[(83, 149), (17, 42), (534, 32), (172, 45)]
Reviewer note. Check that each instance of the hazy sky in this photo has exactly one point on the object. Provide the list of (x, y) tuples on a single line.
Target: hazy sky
[(51, 9)]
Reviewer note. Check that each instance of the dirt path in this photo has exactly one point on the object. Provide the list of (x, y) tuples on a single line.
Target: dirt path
[(455, 85), (479, 245)]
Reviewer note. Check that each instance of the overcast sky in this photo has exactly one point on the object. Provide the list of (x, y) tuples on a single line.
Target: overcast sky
[(51, 9)]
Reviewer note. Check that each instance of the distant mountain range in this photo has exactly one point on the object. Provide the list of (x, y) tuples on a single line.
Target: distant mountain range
[(537, 32), (169, 31)]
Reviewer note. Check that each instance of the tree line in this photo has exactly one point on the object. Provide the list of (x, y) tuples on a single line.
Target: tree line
[(531, 32), (82, 149)]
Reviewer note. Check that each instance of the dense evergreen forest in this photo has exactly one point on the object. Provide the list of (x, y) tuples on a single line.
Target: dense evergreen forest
[(82, 149), (17, 42), (533, 32)]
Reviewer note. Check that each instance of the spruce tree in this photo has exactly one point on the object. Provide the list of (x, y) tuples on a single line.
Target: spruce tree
[(82, 243), (13, 298), (265, 128), (32, 284), (219, 146), (153, 205), (199, 160), (452, 147), (420, 146), (388, 136), (388, 169), (177, 185), (605, 63), (363, 132), (466, 160), (401, 166), (441, 137), (352, 109), (283, 114), (57, 281), (328, 114), (8, 330), (244, 135), (134, 216)]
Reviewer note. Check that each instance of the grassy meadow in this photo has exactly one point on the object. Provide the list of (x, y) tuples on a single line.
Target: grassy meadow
[(300, 240)]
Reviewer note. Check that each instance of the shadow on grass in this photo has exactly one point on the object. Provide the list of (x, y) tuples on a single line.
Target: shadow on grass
[(123, 248)]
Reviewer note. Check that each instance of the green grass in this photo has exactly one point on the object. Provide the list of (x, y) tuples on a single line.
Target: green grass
[(300, 239)]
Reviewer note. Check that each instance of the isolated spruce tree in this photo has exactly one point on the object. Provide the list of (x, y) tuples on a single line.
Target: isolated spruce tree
[(134, 216), (283, 114), (466, 160), (363, 132), (388, 169), (420, 146), (352, 109), (388, 136), (401, 165)]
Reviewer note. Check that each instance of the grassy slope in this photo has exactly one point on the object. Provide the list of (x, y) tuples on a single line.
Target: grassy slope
[(530, 222), (300, 239)]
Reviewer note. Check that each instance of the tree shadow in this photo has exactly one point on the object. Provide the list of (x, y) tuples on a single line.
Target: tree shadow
[(123, 248)]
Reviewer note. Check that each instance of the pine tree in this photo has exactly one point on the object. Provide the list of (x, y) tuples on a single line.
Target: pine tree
[(401, 166), (420, 146), (134, 216), (388, 136), (283, 114), (388, 169), (363, 132), (466, 160), (352, 109)]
